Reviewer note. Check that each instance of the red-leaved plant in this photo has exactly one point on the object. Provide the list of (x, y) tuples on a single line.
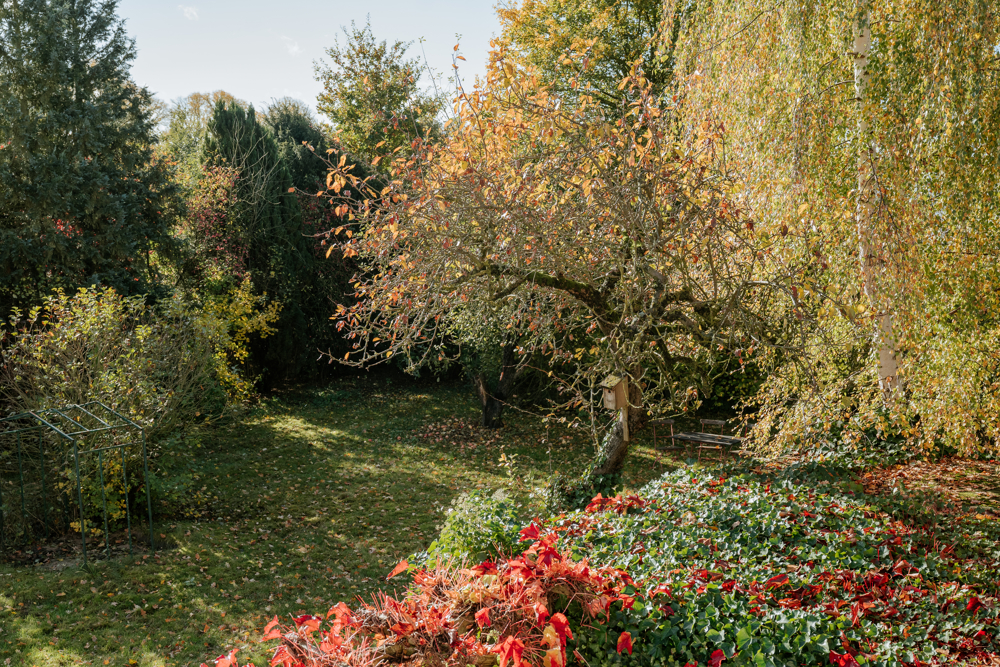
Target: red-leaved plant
[(494, 614)]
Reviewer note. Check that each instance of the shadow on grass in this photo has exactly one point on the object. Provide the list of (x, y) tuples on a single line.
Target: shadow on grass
[(310, 499)]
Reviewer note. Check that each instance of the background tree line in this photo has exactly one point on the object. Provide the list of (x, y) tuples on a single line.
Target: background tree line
[(678, 194)]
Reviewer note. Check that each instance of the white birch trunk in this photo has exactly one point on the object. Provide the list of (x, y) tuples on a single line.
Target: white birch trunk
[(888, 368)]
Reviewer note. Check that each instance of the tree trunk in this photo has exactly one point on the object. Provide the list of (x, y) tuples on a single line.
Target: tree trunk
[(888, 368), (615, 448), (493, 400)]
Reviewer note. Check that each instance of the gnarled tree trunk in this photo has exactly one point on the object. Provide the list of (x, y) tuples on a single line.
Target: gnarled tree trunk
[(615, 447), (494, 399)]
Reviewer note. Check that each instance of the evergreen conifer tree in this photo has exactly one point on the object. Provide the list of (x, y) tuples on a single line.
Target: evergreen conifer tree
[(267, 221), (82, 201)]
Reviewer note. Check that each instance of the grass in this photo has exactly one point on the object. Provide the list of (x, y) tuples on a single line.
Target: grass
[(310, 499)]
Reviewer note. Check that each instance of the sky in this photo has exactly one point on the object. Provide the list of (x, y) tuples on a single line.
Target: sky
[(259, 50)]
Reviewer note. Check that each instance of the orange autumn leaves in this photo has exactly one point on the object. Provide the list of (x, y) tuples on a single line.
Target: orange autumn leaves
[(563, 224)]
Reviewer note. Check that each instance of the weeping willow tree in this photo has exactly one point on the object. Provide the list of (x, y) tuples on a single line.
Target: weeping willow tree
[(866, 139)]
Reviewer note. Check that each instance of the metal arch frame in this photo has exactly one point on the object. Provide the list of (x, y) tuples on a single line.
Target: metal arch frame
[(46, 420)]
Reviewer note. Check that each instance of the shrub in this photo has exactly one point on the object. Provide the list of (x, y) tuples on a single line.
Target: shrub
[(162, 367), (741, 570), (479, 526), (152, 367), (521, 609)]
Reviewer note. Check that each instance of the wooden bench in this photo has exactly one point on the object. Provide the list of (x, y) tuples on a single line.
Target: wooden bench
[(724, 444), (704, 440), (662, 423)]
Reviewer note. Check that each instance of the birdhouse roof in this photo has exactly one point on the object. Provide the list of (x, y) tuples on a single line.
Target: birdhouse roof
[(611, 382)]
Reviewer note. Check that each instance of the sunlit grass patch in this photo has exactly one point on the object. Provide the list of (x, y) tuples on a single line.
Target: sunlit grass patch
[(310, 499)]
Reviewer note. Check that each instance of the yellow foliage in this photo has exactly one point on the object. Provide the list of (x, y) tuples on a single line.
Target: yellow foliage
[(227, 321)]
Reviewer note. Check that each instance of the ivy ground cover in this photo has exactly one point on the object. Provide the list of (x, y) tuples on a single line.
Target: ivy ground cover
[(774, 573)]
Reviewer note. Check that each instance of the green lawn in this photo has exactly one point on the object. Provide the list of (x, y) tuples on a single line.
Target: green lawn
[(310, 499)]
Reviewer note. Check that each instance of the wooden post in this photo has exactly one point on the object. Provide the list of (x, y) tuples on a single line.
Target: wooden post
[(616, 398), (624, 409)]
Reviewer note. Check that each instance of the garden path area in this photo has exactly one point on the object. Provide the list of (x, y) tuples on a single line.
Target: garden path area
[(309, 499)]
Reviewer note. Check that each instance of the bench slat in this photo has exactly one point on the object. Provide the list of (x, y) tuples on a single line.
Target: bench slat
[(709, 438)]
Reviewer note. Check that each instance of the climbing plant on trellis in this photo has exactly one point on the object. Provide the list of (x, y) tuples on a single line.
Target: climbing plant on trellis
[(71, 469)]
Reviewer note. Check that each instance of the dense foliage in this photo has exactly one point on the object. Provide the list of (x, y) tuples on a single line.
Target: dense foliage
[(372, 95), (301, 141), (263, 230), (156, 368), (782, 573), (183, 139), (513, 611), (82, 201), (866, 145), (697, 569), (590, 46), (161, 367), (478, 526)]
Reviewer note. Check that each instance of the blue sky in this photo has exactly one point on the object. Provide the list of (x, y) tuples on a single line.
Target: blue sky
[(258, 50)]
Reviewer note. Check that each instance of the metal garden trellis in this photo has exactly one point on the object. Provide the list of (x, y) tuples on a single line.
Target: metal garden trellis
[(75, 426)]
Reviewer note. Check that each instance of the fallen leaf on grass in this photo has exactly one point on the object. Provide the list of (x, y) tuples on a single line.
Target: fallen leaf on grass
[(401, 567)]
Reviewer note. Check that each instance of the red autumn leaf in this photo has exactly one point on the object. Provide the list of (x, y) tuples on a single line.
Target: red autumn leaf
[(399, 568), (340, 610), (226, 660), (974, 604), (716, 658), (281, 657), (627, 601), (598, 503), (561, 624), (541, 614), (483, 617), (511, 649), (625, 642), (272, 631), (402, 628), (778, 580), (843, 660), (309, 621), (486, 567), (530, 533), (662, 589), (329, 645)]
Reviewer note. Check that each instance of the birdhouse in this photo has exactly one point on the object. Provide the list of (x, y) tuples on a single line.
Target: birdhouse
[(614, 393)]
